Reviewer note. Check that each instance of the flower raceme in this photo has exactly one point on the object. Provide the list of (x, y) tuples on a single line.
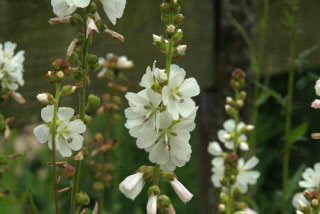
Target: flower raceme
[(162, 115), (113, 8), (68, 135)]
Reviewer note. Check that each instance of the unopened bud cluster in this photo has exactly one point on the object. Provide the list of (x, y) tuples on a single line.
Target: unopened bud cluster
[(231, 170), (172, 18)]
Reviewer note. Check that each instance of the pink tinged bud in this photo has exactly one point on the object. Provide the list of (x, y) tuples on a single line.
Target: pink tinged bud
[(181, 191), (315, 104), (152, 205), (91, 26), (17, 97), (62, 20), (97, 16), (71, 47), (7, 133), (244, 146), (114, 34), (317, 87), (181, 49), (132, 185)]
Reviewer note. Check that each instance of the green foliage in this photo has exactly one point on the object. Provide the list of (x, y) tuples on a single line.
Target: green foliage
[(297, 133)]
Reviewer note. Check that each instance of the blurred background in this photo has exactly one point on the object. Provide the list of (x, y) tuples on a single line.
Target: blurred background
[(215, 48)]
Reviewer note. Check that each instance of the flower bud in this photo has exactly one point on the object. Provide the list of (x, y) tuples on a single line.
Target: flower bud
[(181, 49), (244, 146), (94, 101), (156, 38), (76, 19), (223, 197), (171, 29), (164, 201), (60, 75), (167, 176), (314, 203), (71, 47), (92, 59), (317, 87), (82, 198), (152, 204), (68, 171), (154, 190), (92, 8), (2, 123), (240, 103), (91, 26), (178, 20), (301, 205), (132, 185), (315, 104), (164, 7), (181, 191), (243, 95), (67, 90), (45, 98), (221, 207), (17, 97), (60, 20)]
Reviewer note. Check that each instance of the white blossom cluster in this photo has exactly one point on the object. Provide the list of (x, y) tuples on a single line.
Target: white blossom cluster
[(120, 63), (162, 115), (11, 67), (68, 132), (310, 182), (246, 174), (113, 8)]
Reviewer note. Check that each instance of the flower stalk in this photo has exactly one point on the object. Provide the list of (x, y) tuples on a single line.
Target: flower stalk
[(54, 166), (288, 107)]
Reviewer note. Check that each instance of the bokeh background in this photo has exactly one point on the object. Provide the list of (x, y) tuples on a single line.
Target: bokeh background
[(215, 48)]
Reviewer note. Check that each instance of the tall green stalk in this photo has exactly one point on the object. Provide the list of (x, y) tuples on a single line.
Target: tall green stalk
[(82, 111), (288, 107), (53, 132)]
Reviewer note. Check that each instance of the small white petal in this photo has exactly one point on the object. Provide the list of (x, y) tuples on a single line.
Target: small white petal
[(42, 133), (65, 113), (47, 113)]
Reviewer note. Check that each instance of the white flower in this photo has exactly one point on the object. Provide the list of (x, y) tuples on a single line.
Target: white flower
[(114, 9), (11, 66), (170, 146), (298, 200), (217, 163), (152, 205), (229, 130), (214, 149), (132, 185), (316, 104), (317, 87), (177, 95), (311, 177), (66, 7), (91, 26), (142, 113), (181, 191), (244, 146), (124, 63), (68, 132), (148, 79), (246, 174), (249, 211)]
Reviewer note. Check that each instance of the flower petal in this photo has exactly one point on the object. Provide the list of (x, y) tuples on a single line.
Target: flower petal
[(42, 133), (189, 88), (75, 142), (47, 113), (65, 113), (77, 126), (81, 3)]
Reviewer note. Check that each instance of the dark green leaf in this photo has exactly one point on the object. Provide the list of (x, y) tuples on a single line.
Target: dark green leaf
[(293, 182), (32, 205), (298, 132), (272, 93)]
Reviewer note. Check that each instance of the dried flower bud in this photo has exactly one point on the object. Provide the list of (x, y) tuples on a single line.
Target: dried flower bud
[(68, 171), (68, 90)]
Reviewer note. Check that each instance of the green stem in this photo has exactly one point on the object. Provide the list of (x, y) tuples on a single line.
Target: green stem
[(156, 175), (82, 110), (288, 108), (169, 57), (230, 200), (54, 129)]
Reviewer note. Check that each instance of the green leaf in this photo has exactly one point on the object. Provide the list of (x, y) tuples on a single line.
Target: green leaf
[(32, 205), (298, 132), (305, 53), (262, 99), (293, 182), (272, 93)]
